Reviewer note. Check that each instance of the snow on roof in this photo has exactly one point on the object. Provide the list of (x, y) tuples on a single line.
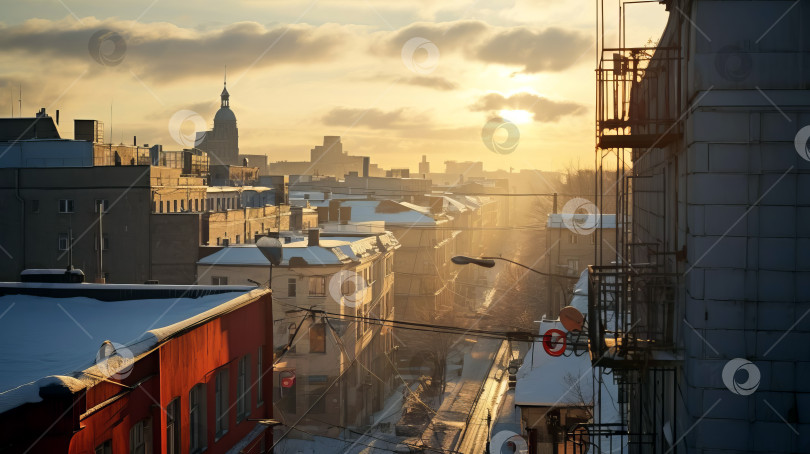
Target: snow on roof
[(586, 221), (545, 380), (388, 211), (331, 251), (53, 341)]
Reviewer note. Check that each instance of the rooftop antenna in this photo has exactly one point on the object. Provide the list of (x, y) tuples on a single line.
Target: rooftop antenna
[(20, 100), (11, 89), (111, 130), (226, 76)]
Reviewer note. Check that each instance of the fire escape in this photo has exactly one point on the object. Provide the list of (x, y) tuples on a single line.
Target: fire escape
[(632, 331)]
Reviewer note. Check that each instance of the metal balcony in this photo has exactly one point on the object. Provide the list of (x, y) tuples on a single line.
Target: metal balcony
[(637, 97), (631, 316)]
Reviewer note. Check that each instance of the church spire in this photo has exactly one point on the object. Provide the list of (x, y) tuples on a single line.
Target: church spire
[(225, 95)]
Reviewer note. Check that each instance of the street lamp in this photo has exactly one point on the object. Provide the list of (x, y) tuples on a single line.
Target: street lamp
[(489, 262)]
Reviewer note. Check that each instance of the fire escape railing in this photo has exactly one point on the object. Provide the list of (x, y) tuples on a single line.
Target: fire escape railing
[(638, 100), (631, 315)]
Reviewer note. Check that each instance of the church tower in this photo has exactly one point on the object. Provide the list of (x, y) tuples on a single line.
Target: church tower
[(222, 143)]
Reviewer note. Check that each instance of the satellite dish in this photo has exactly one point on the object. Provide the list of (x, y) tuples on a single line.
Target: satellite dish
[(271, 248), (571, 318)]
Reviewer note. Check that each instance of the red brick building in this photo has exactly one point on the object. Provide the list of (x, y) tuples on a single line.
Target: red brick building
[(179, 369)]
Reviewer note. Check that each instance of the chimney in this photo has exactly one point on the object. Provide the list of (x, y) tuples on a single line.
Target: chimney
[(366, 164), (436, 204), (345, 215), (334, 210), (323, 215), (314, 237), (134, 141), (57, 117)]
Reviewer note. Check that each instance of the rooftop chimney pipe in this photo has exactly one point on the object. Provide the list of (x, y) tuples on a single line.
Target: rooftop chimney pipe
[(314, 237)]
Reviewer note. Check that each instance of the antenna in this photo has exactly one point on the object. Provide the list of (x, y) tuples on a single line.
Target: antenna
[(20, 100), (226, 75), (11, 89), (111, 130)]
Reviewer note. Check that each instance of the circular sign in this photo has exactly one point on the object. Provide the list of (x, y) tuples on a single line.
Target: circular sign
[(571, 318), (552, 346)]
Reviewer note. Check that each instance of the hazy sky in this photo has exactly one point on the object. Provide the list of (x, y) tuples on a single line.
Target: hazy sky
[(395, 79)]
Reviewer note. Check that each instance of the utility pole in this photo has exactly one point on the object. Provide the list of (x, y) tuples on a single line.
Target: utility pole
[(100, 277)]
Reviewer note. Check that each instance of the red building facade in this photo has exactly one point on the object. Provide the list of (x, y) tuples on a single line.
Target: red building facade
[(203, 387)]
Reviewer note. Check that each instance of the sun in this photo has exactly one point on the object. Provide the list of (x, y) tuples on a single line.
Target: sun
[(517, 116)]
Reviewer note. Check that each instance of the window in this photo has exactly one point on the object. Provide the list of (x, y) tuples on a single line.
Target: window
[(237, 239), (35, 206), (221, 396), (572, 238), (291, 286), (219, 241), (175, 206), (259, 377), (173, 427), (219, 280), (593, 238), (243, 389), (106, 242), (182, 205), (140, 437), (317, 338), (317, 286), (160, 206), (105, 204), (196, 418), (64, 244), (66, 206), (573, 266), (104, 448), (196, 205)]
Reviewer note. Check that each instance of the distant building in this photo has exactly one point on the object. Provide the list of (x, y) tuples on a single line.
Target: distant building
[(327, 159), (570, 243), (424, 166), (156, 368), (258, 161), (222, 142)]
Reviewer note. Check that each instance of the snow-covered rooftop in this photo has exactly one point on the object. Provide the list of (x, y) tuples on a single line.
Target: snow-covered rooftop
[(584, 221), (330, 251), (545, 380), (51, 340)]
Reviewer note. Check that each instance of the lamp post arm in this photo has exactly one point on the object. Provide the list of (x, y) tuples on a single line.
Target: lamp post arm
[(562, 276)]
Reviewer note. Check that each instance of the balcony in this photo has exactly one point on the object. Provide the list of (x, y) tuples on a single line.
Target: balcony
[(631, 318), (637, 97)]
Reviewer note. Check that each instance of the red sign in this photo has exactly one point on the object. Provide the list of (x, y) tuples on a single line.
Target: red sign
[(552, 346), (288, 382)]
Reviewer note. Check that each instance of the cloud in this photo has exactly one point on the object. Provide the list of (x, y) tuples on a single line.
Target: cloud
[(437, 83), (165, 52), (369, 118), (534, 50), (542, 109)]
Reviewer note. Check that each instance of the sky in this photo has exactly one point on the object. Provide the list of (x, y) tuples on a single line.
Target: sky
[(397, 80)]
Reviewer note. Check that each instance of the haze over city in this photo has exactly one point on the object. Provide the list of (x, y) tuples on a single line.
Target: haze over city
[(300, 70), (364, 226)]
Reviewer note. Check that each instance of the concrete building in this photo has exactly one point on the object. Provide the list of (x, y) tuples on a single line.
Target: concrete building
[(709, 336), (327, 159), (349, 275), (157, 369), (570, 243)]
